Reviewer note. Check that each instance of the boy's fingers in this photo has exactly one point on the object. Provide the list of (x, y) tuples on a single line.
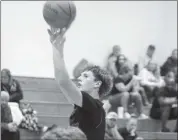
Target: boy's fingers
[(62, 31)]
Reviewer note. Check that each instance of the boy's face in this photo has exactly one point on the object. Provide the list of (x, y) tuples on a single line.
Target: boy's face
[(132, 125), (4, 78), (121, 60), (111, 122), (150, 52), (151, 66), (87, 82), (170, 78), (116, 50)]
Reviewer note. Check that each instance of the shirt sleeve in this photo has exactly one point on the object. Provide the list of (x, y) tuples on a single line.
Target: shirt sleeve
[(89, 103)]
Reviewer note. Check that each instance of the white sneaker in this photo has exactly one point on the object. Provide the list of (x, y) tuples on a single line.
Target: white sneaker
[(143, 116), (44, 129), (127, 115)]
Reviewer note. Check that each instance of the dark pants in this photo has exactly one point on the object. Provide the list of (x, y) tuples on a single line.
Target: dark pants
[(123, 99), (168, 113), (164, 114), (143, 95), (6, 135), (150, 92)]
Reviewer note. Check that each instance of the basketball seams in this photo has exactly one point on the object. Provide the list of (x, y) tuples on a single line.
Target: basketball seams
[(49, 9), (59, 15), (63, 10), (71, 19), (70, 10), (48, 6)]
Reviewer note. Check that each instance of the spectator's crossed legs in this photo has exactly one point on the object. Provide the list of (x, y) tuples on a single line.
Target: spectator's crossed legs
[(168, 113)]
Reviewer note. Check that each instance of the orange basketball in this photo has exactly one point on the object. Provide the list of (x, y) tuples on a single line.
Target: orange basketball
[(59, 14)]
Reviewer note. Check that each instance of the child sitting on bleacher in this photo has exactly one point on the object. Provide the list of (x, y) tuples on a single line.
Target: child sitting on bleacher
[(111, 132), (9, 128), (165, 104), (129, 132)]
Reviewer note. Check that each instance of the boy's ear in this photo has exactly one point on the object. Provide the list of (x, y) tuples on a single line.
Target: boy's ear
[(98, 84)]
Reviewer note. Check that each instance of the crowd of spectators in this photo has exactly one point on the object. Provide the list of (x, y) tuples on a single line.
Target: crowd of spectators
[(134, 85), (14, 113), (143, 84)]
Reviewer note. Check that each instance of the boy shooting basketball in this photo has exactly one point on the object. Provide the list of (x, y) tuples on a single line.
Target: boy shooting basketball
[(94, 82)]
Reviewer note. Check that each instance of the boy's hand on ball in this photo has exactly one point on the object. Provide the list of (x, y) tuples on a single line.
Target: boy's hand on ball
[(57, 37)]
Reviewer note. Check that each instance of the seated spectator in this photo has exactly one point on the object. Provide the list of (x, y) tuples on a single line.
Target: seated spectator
[(112, 60), (11, 86), (111, 127), (9, 129), (124, 91), (170, 64), (58, 133), (129, 132), (144, 60), (124, 68), (150, 79), (165, 104), (17, 116)]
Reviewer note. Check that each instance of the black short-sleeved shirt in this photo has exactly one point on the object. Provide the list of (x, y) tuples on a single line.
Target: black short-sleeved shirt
[(90, 118), (119, 80), (126, 135), (162, 92)]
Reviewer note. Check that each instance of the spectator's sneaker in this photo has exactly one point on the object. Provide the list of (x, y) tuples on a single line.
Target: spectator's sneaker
[(165, 130), (44, 129), (143, 116), (127, 115)]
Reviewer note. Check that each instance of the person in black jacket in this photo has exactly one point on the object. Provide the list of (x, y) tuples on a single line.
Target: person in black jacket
[(170, 64), (11, 86), (164, 106)]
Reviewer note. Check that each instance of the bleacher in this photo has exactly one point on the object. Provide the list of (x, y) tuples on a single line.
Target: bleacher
[(54, 108)]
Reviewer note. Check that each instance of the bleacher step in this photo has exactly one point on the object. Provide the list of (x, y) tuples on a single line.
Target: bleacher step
[(147, 125), (49, 96), (27, 135), (49, 120), (51, 108), (37, 83)]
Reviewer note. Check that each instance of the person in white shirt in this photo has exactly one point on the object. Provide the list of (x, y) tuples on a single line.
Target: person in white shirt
[(144, 60), (151, 79)]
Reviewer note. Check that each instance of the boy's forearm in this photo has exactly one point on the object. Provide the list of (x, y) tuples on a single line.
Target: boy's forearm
[(61, 73), (66, 85)]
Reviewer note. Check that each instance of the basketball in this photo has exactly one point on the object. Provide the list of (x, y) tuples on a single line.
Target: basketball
[(59, 14)]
